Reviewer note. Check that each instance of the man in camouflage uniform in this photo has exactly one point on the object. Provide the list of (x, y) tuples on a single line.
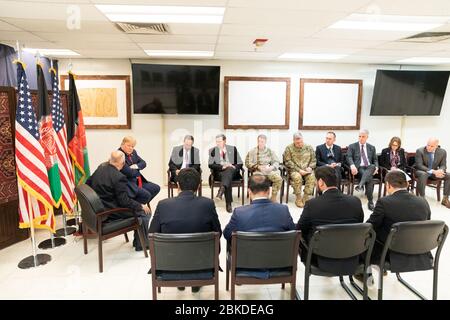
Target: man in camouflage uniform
[(264, 161), (300, 161)]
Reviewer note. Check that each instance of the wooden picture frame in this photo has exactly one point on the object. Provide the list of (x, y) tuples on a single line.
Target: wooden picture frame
[(105, 87), (350, 98), (252, 82)]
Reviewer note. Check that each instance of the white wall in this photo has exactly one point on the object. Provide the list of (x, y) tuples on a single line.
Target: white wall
[(157, 134)]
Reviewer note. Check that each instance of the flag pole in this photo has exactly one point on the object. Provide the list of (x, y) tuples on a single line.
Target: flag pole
[(36, 259)]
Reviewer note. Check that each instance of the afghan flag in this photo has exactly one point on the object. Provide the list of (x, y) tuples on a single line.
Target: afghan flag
[(48, 137), (76, 136)]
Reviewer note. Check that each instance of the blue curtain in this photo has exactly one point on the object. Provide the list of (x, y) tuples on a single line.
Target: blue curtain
[(8, 70)]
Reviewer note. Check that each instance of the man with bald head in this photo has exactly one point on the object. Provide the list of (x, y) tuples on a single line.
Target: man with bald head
[(431, 163), (111, 187)]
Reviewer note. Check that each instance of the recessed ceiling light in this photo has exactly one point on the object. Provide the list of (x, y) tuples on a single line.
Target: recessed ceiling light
[(311, 56), (52, 52), (163, 14), (179, 53), (425, 60), (389, 22)]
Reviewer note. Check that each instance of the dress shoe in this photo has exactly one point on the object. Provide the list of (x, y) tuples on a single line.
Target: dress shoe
[(220, 193), (370, 205), (195, 289), (229, 208), (360, 278), (180, 288), (359, 188), (299, 201), (445, 202)]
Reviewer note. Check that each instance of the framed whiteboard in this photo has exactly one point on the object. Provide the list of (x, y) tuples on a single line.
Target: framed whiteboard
[(330, 104), (256, 103)]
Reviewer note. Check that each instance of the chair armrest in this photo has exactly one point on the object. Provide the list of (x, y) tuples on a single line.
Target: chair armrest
[(111, 211)]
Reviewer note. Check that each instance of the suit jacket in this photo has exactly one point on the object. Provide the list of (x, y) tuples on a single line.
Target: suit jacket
[(439, 162), (176, 159), (354, 155), (233, 156), (262, 215), (111, 186), (385, 159), (332, 207), (133, 174), (185, 213), (322, 155), (399, 207)]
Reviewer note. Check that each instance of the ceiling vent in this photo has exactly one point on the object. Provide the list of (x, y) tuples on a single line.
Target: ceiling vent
[(143, 28), (428, 37)]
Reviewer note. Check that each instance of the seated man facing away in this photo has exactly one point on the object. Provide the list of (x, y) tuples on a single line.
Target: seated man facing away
[(262, 215), (398, 206), (111, 187), (186, 213), (333, 207)]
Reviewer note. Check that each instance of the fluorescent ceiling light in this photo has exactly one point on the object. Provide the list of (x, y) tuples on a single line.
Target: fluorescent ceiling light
[(179, 53), (162, 14), (389, 22), (52, 52), (311, 56), (425, 60)]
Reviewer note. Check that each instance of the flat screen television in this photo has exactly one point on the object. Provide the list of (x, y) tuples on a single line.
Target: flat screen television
[(175, 89), (410, 93)]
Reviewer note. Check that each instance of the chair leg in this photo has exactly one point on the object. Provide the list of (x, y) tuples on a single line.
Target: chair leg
[(306, 293), (379, 190), (239, 192), (287, 192), (216, 290), (435, 283), (159, 289), (126, 237), (83, 226), (358, 288), (438, 191), (282, 286), (100, 255), (212, 190), (293, 291), (243, 199), (142, 240), (347, 289), (168, 190), (154, 294), (407, 285), (233, 290), (227, 280)]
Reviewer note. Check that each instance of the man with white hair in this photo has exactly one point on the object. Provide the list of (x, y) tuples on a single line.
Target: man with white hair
[(263, 160), (363, 161), (431, 163), (111, 187), (300, 160)]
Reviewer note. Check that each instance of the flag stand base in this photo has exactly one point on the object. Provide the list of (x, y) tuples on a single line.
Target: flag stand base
[(28, 262), (69, 230), (47, 244), (72, 222)]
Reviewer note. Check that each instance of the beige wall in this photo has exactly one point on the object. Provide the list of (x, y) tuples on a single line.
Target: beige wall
[(157, 134)]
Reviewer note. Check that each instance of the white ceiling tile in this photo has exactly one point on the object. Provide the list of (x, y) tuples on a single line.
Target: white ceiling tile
[(321, 5), (109, 54), (245, 55), (408, 7), (177, 46), (402, 46), (361, 34), (142, 38), (261, 31), (204, 3), (194, 29), (19, 35), (75, 36)]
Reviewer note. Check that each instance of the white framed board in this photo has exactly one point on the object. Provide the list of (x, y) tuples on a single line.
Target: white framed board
[(256, 102), (330, 104)]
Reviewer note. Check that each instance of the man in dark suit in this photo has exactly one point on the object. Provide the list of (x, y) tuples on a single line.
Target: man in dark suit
[(363, 161), (398, 206), (332, 207), (184, 156), (226, 163), (186, 213), (431, 163), (111, 187), (330, 154), (261, 215), (139, 188)]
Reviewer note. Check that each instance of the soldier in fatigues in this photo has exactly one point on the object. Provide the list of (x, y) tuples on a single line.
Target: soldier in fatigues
[(300, 161), (264, 161)]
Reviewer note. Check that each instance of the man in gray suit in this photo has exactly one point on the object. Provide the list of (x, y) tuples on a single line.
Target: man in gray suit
[(225, 163), (363, 162), (431, 163)]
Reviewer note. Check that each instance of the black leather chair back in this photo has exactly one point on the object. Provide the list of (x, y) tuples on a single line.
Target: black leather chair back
[(261, 250), (416, 237), (341, 241), (184, 252), (90, 205)]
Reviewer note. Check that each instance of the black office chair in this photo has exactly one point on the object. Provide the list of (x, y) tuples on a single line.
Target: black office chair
[(184, 260), (94, 215), (171, 185), (339, 249), (239, 183), (263, 250), (407, 240)]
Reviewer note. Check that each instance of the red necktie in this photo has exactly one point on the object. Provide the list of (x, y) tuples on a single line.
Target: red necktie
[(223, 155), (139, 179)]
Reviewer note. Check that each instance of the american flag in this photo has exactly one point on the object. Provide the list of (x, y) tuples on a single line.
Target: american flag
[(35, 197), (65, 168)]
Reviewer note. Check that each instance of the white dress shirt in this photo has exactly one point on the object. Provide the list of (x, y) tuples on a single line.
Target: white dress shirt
[(186, 158)]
